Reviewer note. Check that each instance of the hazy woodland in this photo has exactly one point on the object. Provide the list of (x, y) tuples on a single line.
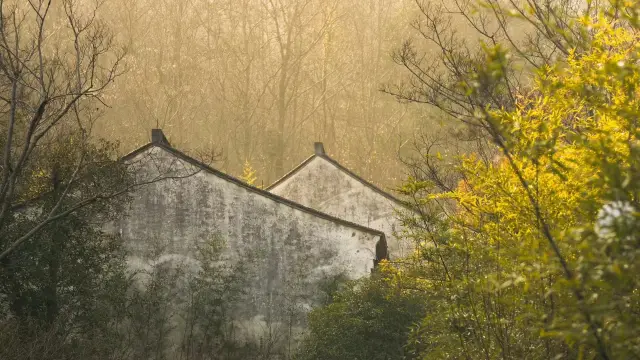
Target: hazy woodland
[(260, 81)]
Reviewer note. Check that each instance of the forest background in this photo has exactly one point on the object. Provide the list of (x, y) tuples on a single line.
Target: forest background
[(260, 81)]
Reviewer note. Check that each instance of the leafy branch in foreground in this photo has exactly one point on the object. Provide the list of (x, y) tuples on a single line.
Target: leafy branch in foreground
[(541, 249)]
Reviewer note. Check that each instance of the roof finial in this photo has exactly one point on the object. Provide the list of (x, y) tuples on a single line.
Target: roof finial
[(319, 148), (157, 137)]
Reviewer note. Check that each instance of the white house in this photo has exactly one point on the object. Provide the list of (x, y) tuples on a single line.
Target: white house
[(291, 246), (322, 183)]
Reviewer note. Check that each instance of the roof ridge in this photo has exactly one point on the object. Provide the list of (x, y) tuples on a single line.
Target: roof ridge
[(252, 188), (291, 172), (363, 180), (342, 168)]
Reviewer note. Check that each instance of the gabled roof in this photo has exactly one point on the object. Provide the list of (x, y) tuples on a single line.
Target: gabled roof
[(166, 147), (323, 155)]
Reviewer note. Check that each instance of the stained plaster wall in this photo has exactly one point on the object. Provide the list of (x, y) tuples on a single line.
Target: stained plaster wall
[(289, 248), (323, 186)]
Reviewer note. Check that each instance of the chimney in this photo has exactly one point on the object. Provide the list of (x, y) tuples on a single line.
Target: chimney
[(157, 137), (319, 148)]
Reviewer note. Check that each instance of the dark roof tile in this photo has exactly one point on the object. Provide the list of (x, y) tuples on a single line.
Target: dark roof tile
[(343, 169), (254, 189)]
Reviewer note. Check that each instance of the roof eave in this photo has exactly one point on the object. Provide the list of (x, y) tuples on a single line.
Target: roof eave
[(345, 170), (291, 173), (254, 189)]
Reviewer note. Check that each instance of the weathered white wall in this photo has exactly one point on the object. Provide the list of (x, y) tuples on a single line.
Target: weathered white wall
[(323, 186), (287, 245)]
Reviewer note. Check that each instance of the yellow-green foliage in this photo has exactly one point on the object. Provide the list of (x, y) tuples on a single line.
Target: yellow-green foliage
[(248, 173), (571, 149)]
